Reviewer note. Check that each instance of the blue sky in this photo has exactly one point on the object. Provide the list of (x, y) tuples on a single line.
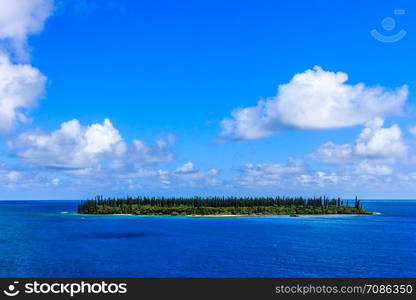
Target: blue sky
[(179, 83)]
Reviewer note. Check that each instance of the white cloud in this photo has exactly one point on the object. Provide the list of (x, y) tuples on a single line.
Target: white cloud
[(146, 178), (296, 177), (322, 179), (373, 168), (332, 153), (20, 87), (374, 142), (99, 153), (20, 18), (315, 99), (187, 175), (188, 172), (293, 175), (368, 163), (186, 168), (271, 174), (374, 154), (412, 130), (73, 146), (366, 175), (139, 154), (15, 177)]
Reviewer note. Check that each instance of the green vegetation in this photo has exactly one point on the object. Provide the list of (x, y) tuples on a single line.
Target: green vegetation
[(219, 206)]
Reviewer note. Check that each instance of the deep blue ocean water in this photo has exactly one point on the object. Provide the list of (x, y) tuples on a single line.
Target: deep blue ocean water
[(46, 239)]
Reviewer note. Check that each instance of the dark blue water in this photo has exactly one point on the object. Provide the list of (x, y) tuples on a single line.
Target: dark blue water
[(38, 240)]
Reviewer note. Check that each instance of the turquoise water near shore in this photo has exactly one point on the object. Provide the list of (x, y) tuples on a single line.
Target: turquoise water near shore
[(47, 239)]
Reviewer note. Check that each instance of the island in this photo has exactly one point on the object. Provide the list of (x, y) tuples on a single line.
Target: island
[(220, 206)]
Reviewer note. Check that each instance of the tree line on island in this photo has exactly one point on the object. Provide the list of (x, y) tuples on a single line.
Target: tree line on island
[(220, 206)]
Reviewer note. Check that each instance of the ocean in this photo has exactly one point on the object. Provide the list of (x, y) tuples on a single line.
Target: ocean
[(48, 239)]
